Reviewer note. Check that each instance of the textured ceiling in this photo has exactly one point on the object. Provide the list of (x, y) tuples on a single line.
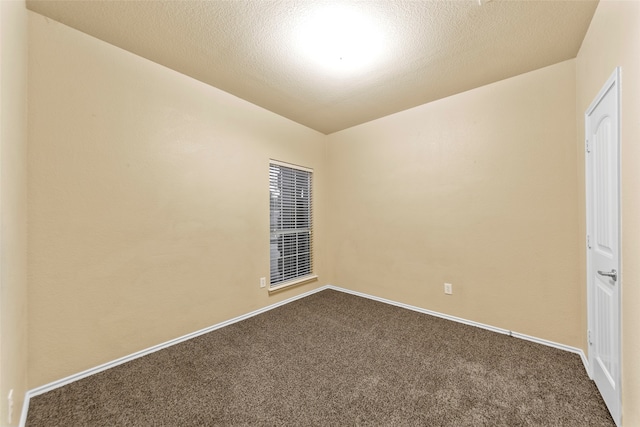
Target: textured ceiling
[(429, 49)]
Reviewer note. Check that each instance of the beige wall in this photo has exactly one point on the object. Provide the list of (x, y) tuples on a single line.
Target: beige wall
[(479, 190), (148, 202), (13, 203), (148, 207), (613, 40)]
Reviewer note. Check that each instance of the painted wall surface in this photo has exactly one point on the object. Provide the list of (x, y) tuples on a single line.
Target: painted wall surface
[(477, 190), (613, 40), (13, 204), (148, 202)]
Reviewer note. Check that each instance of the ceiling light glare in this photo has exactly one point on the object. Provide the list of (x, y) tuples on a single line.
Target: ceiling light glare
[(340, 39)]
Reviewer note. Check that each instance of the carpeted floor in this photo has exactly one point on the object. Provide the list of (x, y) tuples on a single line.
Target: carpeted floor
[(336, 359)]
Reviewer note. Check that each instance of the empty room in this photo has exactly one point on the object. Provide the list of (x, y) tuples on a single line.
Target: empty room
[(309, 212)]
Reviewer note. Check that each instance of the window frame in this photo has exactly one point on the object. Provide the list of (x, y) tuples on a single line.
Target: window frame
[(278, 232)]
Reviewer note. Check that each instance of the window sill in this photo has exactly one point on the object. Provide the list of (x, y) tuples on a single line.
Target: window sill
[(294, 282)]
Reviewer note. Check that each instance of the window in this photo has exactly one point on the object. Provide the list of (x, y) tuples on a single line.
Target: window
[(291, 216)]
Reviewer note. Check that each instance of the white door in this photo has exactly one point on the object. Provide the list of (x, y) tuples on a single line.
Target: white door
[(602, 130)]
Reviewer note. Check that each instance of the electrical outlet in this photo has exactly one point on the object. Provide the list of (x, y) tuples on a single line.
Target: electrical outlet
[(263, 282), (10, 407), (448, 288)]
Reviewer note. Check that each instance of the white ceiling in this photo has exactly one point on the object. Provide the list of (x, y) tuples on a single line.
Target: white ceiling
[(430, 49)]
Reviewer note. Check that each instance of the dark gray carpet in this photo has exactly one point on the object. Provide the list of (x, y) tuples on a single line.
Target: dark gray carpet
[(336, 359)]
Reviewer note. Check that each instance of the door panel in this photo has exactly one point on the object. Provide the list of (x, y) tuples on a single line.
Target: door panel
[(603, 338), (604, 157), (603, 228)]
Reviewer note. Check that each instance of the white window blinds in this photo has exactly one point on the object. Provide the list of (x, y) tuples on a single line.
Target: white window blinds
[(291, 217)]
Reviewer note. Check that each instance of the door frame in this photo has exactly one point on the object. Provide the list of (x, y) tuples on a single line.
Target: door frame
[(612, 81)]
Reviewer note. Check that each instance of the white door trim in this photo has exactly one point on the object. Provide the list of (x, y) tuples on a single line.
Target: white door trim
[(612, 83)]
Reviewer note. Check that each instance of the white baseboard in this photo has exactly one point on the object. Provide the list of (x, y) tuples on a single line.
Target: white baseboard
[(75, 377), (25, 409), (548, 343)]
